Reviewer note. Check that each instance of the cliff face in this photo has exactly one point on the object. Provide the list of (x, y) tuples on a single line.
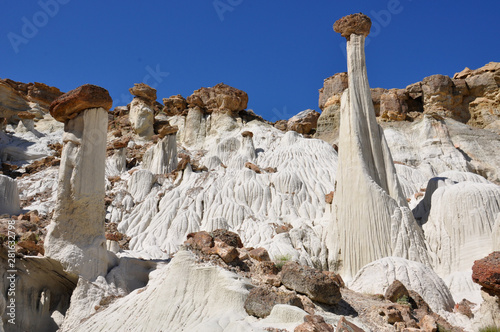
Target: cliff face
[(471, 97), (17, 97)]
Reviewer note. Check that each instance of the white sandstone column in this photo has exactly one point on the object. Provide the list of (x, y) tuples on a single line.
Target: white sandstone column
[(75, 236)]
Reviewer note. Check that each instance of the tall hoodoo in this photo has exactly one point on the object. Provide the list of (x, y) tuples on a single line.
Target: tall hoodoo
[(75, 236), (372, 217)]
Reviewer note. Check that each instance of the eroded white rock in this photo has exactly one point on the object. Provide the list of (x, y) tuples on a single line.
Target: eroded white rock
[(372, 216), (377, 276), (9, 196), (75, 236)]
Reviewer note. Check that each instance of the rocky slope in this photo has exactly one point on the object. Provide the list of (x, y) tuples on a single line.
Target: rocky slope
[(200, 215)]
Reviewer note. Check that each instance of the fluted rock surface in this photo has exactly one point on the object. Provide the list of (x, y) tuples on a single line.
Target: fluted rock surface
[(372, 217)]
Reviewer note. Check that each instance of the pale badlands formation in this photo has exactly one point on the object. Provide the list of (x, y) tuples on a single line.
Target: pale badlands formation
[(382, 213)]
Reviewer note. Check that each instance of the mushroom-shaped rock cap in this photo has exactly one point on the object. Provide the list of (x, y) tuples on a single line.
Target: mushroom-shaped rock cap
[(144, 91), (67, 106), (358, 24)]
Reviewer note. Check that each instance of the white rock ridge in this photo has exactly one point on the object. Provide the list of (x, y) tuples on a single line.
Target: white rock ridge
[(75, 236), (182, 296), (372, 216)]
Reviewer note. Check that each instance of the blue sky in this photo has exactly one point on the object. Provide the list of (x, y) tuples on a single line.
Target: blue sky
[(277, 51)]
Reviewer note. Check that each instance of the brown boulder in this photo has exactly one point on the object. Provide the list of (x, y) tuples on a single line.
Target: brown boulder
[(337, 279), (464, 307), (228, 237), (345, 326), (304, 122), (329, 197), (358, 24), (174, 105), (281, 125), (226, 252), (428, 324), (143, 91), (311, 282), (184, 161), (199, 240), (396, 291), (486, 272), (253, 167), (87, 96), (167, 130), (261, 300), (260, 254), (221, 97), (247, 134), (314, 323)]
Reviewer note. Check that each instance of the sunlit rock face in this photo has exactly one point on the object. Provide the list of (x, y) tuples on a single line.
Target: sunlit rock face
[(75, 236), (372, 218)]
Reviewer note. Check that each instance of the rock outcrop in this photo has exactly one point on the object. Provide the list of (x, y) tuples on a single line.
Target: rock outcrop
[(75, 236), (9, 196), (17, 97), (221, 97), (471, 96), (305, 280), (261, 300), (372, 218), (486, 272), (304, 122)]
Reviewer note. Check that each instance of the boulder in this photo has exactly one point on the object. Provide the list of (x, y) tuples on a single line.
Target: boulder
[(228, 237), (221, 97), (281, 125), (87, 96), (226, 252), (260, 254), (304, 122), (311, 282), (358, 24), (174, 105), (261, 300), (345, 326), (143, 91), (486, 272), (314, 323), (396, 291), (199, 240)]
